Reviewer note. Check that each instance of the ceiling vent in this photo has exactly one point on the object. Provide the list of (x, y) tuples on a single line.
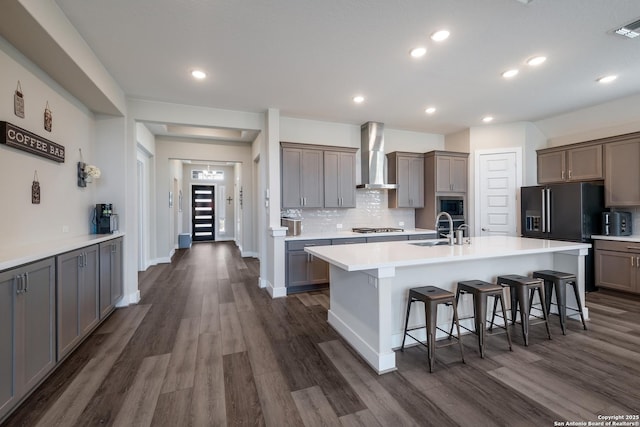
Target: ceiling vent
[(630, 30)]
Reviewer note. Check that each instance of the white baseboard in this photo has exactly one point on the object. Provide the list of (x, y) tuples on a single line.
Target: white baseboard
[(279, 292), (381, 363), (251, 254), (262, 283), (132, 298)]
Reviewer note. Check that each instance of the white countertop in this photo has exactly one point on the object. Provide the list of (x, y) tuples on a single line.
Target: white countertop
[(14, 256), (350, 234), (402, 254), (633, 238)]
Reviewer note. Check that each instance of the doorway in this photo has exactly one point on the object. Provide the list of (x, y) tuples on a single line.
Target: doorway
[(202, 213), (498, 178)]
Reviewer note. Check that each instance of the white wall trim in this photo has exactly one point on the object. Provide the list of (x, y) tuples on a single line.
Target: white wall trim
[(278, 292), (129, 299), (250, 254)]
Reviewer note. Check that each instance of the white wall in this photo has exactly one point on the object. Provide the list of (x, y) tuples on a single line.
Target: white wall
[(63, 203)]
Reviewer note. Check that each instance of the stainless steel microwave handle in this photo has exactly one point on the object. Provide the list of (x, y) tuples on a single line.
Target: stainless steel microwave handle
[(542, 208), (548, 206)]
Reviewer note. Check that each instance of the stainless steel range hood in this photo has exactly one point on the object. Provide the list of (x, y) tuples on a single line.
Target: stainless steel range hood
[(372, 157)]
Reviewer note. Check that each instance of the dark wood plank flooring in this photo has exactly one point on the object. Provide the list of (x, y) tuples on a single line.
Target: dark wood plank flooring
[(206, 347)]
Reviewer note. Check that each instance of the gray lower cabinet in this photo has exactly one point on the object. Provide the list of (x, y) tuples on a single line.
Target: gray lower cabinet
[(27, 330), (303, 270), (396, 238), (422, 236), (77, 276), (618, 265), (111, 289)]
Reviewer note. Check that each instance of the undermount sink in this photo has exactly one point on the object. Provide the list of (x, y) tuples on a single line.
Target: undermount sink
[(434, 242)]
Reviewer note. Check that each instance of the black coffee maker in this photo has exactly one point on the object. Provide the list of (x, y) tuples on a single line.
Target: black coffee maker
[(105, 218)]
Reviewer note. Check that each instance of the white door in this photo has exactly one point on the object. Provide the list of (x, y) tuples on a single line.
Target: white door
[(498, 179)]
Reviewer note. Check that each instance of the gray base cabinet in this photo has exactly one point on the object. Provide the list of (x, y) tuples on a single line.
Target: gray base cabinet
[(618, 265), (77, 296), (111, 286), (27, 330), (304, 271)]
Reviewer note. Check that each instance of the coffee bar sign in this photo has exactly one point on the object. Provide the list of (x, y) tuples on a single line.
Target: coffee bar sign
[(21, 139)]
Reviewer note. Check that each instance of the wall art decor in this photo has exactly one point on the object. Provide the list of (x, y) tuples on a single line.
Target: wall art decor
[(86, 172), (35, 189), (48, 118), (16, 137), (18, 101)]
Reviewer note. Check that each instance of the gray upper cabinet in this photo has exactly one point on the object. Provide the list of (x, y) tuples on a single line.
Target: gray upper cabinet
[(302, 177), (340, 179), (406, 170), (77, 296), (622, 175), (27, 330), (450, 171), (581, 162), (111, 286)]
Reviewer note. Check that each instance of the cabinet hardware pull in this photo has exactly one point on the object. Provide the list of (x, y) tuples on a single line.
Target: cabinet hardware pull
[(637, 262), (18, 280), (569, 173), (26, 282), (562, 175), (80, 264), (632, 262)]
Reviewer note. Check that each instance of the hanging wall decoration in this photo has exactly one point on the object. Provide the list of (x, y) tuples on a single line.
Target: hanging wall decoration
[(35, 189), (48, 119), (18, 102), (24, 140)]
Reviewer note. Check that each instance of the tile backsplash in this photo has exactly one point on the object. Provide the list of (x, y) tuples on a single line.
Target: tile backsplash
[(371, 211)]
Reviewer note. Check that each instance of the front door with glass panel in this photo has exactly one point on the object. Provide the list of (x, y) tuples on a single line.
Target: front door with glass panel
[(202, 212)]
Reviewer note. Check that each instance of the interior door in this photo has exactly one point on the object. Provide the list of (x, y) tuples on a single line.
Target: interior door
[(202, 212), (498, 193)]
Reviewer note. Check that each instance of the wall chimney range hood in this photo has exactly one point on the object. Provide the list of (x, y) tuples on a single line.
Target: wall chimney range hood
[(372, 157)]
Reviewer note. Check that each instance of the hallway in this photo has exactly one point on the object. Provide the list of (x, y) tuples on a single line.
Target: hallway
[(207, 347)]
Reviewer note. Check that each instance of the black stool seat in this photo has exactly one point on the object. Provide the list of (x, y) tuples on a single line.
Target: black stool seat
[(481, 290), (558, 280), (520, 287), (431, 296)]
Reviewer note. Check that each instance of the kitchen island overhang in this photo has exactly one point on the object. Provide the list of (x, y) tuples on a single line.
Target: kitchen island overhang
[(369, 284)]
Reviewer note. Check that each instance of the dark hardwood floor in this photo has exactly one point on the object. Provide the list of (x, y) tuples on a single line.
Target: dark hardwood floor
[(206, 347)]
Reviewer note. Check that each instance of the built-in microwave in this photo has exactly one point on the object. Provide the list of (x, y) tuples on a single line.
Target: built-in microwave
[(453, 205)]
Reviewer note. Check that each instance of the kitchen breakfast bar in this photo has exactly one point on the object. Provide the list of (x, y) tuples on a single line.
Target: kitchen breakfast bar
[(369, 283)]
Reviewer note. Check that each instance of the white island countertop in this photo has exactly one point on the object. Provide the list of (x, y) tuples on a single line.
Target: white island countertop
[(405, 253)]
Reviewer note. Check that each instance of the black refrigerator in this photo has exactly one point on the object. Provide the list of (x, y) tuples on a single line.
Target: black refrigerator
[(569, 211)]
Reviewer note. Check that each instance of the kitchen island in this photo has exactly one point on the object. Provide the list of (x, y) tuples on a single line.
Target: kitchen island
[(369, 283)]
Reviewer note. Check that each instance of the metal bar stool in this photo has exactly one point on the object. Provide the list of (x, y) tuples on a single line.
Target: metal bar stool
[(520, 287), (431, 296), (480, 291), (559, 281)]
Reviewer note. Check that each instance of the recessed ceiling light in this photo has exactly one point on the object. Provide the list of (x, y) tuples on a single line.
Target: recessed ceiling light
[(439, 36), (607, 79), (630, 30), (358, 99), (198, 74), (536, 60), (417, 52), (510, 73), (430, 110), (487, 119)]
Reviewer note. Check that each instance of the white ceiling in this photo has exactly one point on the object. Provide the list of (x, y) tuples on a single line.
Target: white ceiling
[(308, 58)]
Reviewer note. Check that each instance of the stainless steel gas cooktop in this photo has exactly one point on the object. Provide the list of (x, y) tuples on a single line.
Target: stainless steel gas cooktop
[(376, 229)]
